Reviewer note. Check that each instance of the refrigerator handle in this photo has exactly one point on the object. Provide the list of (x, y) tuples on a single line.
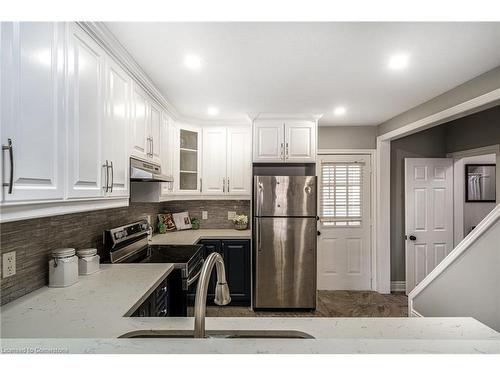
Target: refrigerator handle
[(257, 235)]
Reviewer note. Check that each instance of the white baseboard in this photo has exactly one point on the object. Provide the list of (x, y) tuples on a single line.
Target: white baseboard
[(398, 286)]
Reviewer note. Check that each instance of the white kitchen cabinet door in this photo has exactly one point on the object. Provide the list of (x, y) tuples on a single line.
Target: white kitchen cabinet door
[(300, 142), (32, 113), (116, 126), (239, 161), (214, 179), (85, 115), (167, 154), (139, 136), (268, 142), (155, 132)]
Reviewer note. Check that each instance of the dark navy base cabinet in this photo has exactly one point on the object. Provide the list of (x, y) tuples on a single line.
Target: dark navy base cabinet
[(236, 255)]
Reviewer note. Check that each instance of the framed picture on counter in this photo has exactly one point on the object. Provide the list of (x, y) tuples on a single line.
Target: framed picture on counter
[(167, 220), (182, 220)]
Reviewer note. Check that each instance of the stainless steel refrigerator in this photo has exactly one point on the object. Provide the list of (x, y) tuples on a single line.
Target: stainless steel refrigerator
[(285, 242)]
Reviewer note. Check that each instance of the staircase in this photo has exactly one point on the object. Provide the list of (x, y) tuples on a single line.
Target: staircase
[(467, 282)]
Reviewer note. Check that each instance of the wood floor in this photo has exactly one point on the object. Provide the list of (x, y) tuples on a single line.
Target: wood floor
[(331, 304)]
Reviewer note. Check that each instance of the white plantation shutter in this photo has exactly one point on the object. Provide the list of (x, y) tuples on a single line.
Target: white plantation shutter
[(341, 193)]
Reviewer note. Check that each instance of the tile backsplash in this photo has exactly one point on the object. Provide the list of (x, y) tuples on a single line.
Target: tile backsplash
[(34, 239)]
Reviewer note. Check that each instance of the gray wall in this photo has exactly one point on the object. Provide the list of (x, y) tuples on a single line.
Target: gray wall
[(429, 143), (482, 84), (342, 137), (34, 239), (474, 131)]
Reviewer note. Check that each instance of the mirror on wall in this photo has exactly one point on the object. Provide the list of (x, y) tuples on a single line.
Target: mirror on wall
[(480, 181)]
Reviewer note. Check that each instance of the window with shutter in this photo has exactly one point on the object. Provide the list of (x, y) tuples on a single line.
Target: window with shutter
[(341, 193)]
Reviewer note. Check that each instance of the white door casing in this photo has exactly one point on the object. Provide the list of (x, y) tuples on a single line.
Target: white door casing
[(344, 247), (32, 76), (214, 161), (85, 100), (300, 141), (428, 215), (239, 161)]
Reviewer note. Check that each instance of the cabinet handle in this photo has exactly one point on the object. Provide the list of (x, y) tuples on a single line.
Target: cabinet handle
[(11, 157), (107, 176), (281, 152), (201, 184), (112, 176), (228, 184), (152, 147), (223, 185), (286, 152)]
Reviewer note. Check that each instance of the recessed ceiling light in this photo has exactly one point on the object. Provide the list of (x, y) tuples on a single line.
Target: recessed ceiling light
[(339, 111), (193, 62), (398, 61), (213, 111)]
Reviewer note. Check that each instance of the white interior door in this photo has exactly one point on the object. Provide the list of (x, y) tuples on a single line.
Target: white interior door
[(428, 215), (344, 243)]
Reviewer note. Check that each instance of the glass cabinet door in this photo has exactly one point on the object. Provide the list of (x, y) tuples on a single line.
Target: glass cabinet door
[(188, 160)]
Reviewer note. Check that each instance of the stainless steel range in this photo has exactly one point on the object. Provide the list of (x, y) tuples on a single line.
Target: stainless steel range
[(129, 244)]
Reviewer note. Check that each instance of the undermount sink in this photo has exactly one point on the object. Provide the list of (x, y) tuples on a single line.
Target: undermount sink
[(222, 334)]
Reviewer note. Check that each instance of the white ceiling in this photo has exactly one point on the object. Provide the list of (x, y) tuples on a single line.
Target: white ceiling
[(249, 68)]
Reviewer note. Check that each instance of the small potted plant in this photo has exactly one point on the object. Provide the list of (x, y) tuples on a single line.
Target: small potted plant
[(195, 223), (240, 222)]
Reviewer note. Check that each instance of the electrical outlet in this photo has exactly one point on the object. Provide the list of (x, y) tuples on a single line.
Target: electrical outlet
[(9, 264), (204, 215), (231, 215)]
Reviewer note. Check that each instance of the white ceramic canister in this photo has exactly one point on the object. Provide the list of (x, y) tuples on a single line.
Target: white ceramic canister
[(88, 261), (63, 268)]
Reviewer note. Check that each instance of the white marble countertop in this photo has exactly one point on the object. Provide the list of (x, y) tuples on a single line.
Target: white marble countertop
[(89, 316), (191, 236)]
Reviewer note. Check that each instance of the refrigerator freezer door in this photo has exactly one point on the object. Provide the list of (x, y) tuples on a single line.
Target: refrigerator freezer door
[(285, 256), (285, 196)]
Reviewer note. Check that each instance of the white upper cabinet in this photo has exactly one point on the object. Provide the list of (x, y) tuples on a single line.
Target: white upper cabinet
[(155, 124), (188, 159), (116, 130), (300, 141), (284, 141), (214, 178), (85, 115), (239, 161), (140, 139), (268, 141), (167, 135), (32, 118)]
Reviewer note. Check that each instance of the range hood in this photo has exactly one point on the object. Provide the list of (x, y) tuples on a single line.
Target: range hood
[(147, 172)]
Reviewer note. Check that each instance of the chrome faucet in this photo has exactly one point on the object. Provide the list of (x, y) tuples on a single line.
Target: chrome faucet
[(221, 291)]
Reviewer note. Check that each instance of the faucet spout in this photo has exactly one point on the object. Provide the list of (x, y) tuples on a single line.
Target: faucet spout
[(222, 296)]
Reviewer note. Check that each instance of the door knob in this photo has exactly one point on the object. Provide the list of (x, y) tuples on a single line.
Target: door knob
[(413, 238), (319, 233)]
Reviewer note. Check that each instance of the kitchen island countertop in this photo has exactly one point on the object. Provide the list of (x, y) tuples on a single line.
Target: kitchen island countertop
[(89, 316)]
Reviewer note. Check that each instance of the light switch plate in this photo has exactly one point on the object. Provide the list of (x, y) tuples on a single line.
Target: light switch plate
[(204, 215), (9, 264), (231, 215)]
